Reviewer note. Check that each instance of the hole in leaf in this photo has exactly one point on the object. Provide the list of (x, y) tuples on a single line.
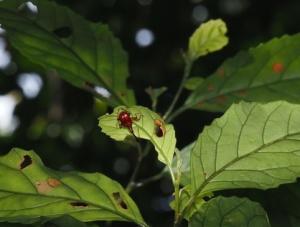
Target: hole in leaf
[(79, 204), (28, 9), (119, 200), (159, 128), (26, 162), (63, 32)]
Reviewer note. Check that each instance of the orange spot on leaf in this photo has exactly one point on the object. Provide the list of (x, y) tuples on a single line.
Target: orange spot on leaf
[(277, 67), (53, 182)]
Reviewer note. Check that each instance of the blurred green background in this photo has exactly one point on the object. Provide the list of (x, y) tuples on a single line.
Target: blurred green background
[(59, 121)]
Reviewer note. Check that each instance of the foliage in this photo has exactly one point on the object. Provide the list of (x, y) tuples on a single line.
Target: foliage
[(255, 144)]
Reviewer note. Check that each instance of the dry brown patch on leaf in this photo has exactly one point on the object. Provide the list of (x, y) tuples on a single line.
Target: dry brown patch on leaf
[(53, 182)]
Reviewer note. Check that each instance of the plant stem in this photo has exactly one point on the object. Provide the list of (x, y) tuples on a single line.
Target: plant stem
[(134, 174), (150, 179), (176, 113), (187, 71)]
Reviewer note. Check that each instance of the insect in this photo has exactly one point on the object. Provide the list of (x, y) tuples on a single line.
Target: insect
[(125, 119), (159, 129)]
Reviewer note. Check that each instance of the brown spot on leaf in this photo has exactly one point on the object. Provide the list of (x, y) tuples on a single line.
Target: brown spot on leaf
[(242, 93), (199, 104), (53, 182), (221, 72), (119, 200), (26, 161), (221, 99), (277, 67), (43, 187), (210, 87), (79, 204)]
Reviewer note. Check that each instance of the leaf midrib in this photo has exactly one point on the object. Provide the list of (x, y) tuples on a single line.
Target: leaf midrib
[(71, 199)]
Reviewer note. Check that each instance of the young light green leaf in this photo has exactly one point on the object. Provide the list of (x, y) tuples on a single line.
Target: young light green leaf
[(154, 94), (193, 82), (29, 191), (209, 37), (146, 125), (83, 53), (268, 72), (251, 146), (230, 212)]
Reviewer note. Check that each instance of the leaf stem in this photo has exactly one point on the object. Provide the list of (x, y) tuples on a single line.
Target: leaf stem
[(176, 113), (149, 180), (134, 174), (187, 71)]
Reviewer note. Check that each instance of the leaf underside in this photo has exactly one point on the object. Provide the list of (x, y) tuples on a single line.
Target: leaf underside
[(268, 72), (251, 146), (29, 192), (83, 53)]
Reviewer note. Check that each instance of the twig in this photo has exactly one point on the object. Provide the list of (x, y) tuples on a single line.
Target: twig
[(137, 167), (187, 71)]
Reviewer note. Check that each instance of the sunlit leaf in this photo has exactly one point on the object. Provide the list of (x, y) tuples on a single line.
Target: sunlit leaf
[(29, 191), (251, 146), (83, 53), (230, 212), (209, 37), (145, 124), (268, 72)]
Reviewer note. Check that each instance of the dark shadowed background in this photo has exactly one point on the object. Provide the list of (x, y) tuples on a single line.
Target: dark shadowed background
[(60, 122)]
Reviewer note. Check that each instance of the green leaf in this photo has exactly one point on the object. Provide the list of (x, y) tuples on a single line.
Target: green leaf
[(193, 82), (83, 53), (268, 72), (29, 191), (251, 146), (143, 126), (185, 167), (230, 212), (154, 93), (209, 37)]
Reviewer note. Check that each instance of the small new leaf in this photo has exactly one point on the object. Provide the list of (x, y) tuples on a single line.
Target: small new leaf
[(193, 82), (209, 37), (230, 212), (144, 125)]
